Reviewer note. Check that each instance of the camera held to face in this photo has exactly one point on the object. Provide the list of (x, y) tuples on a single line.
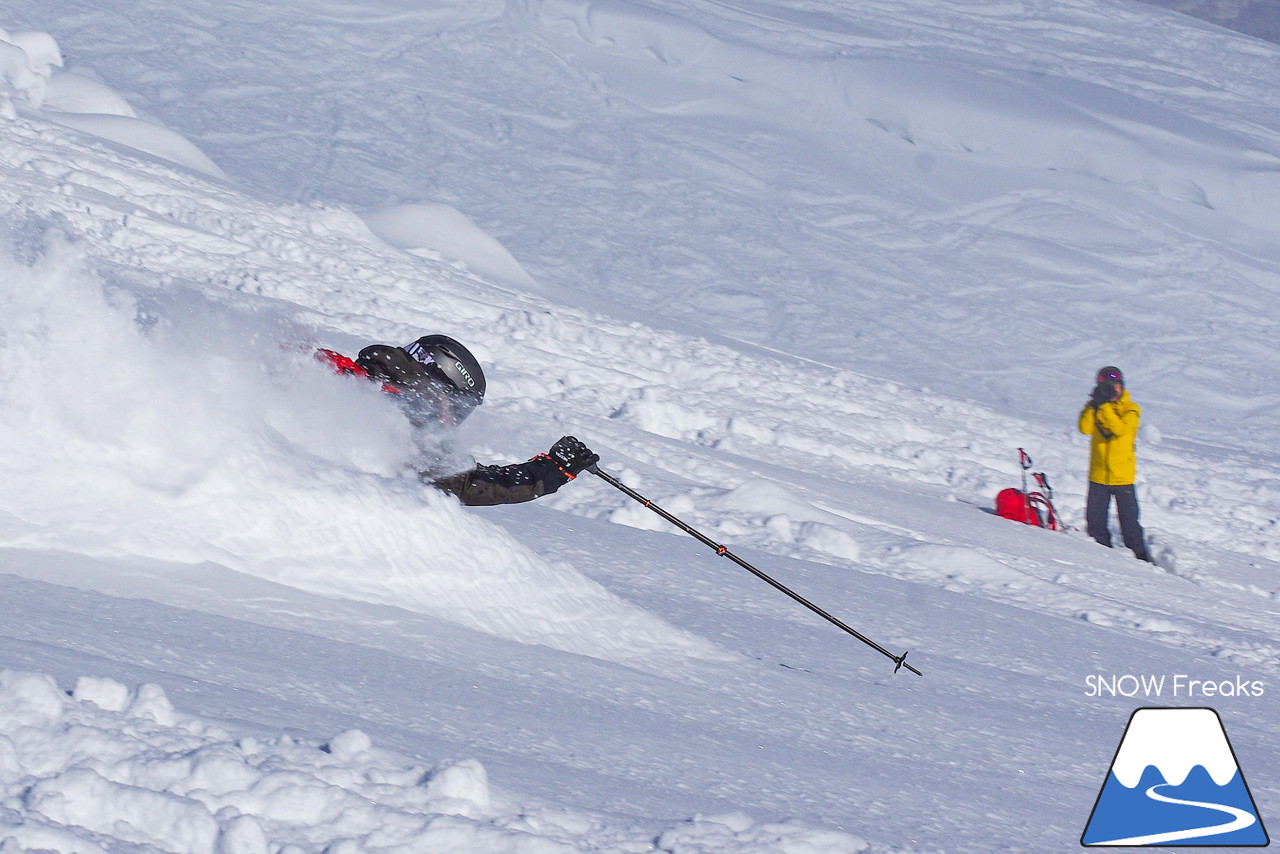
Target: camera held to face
[(1107, 391)]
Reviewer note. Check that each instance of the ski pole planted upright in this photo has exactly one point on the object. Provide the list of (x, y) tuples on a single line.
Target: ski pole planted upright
[(900, 661), (1024, 460)]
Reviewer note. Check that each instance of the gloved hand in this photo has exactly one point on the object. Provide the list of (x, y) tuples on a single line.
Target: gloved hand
[(1105, 392), (571, 456), (393, 366)]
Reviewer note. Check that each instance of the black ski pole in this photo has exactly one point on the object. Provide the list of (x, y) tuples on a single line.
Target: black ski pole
[(900, 661)]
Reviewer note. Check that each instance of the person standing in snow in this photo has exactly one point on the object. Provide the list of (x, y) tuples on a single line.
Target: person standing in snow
[(438, 382), (1110, 418)]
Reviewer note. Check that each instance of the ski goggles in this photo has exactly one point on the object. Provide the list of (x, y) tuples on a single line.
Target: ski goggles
[(459, 405), (439, 403), (453, 405), (1110, 374)]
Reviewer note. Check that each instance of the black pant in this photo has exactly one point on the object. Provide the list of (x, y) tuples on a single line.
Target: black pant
[(1099, 505)]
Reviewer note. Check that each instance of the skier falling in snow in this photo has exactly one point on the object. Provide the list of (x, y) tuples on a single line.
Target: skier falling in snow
[(438, 382)]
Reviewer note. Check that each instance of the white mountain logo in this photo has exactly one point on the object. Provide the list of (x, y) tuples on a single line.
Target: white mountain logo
[(1175, 781)]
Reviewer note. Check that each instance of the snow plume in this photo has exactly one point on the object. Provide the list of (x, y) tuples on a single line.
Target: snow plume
[(149, 420), (109, 765)]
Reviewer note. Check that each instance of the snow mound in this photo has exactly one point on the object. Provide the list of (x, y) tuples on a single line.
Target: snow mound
[(29, 77), (141, 135), (446, 231), (110, 766), (20, 76), (69, 92)]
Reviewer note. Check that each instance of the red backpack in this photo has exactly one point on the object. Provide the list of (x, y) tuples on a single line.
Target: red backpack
[(1029, 508)]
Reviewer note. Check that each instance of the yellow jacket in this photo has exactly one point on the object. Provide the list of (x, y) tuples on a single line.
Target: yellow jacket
[(1113, 428)]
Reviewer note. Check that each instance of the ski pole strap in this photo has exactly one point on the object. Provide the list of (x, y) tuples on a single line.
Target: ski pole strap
[(898, 660), (1024, 459)]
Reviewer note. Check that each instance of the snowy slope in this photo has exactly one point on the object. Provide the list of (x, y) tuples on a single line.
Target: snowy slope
[(1256, 18), (1003, 171), (191, 502)]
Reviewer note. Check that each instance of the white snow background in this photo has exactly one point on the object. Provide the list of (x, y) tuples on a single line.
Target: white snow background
[(805, 273)]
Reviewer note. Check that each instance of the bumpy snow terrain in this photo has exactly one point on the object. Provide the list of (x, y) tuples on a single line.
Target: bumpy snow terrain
[(805, 274)]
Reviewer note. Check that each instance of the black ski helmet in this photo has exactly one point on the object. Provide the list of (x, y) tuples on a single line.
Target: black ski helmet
[(449, 361), (1110, 374)]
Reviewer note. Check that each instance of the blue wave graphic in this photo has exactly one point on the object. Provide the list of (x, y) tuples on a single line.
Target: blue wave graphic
[(1148, 815)]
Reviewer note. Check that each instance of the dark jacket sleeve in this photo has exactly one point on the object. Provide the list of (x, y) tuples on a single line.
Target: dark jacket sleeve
[(490, 485)]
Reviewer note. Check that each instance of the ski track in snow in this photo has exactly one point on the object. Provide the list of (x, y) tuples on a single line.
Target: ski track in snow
[(753, 164)]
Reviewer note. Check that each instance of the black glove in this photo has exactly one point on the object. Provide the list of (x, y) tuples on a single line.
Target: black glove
[(571, 456), (392, 365), (1104, 392)]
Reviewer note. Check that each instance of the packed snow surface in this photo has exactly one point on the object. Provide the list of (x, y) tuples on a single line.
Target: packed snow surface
[(806, 274)]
